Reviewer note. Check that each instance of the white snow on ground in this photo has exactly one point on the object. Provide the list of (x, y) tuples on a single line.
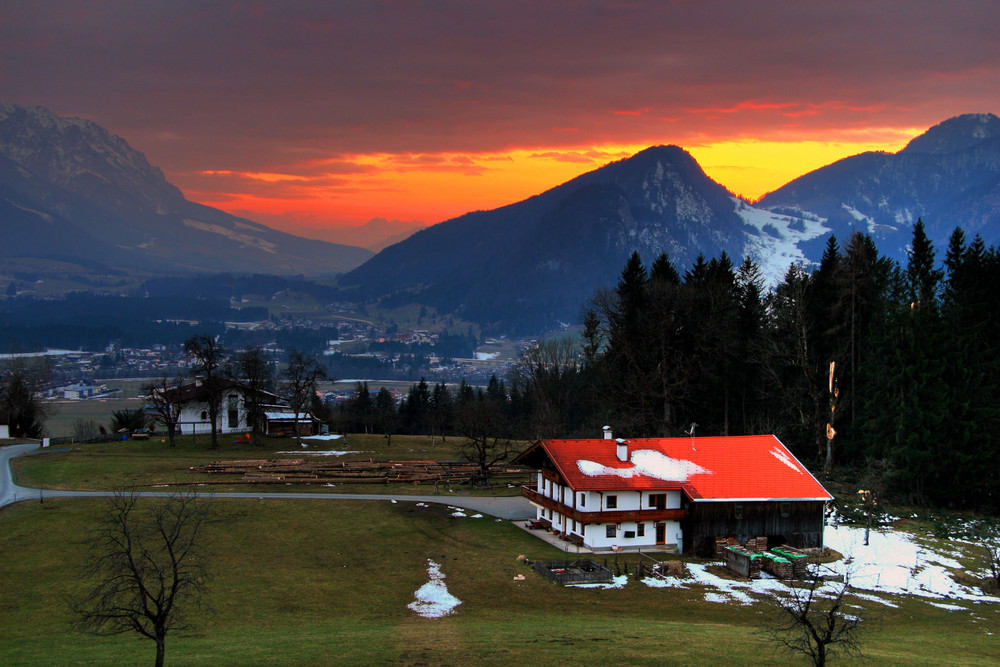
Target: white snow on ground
[(649, 463), (619, 582), (329, 452), (776, 245), (323, 437), (460, 512), (433, 598), (892, 564)]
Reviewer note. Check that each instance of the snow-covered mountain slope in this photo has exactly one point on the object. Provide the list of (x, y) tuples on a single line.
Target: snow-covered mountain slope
[(775, 240), (948, 177)]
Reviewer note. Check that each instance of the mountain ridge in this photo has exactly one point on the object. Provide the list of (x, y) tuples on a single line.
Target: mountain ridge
[(560, 246), (525, 266), (76, 180)]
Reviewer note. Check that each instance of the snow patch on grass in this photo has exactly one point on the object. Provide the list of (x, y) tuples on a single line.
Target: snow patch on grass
[(618, 582), (329, 452), (433, 599)]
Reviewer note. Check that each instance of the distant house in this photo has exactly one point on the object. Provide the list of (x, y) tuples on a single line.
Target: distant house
[(78, 391), (674, 493), (194, 413)]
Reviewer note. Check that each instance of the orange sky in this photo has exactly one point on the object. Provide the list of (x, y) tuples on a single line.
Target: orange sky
[(433, 188), (313, 114)]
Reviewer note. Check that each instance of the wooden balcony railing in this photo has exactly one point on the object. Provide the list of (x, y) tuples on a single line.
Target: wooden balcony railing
[(604, 516)]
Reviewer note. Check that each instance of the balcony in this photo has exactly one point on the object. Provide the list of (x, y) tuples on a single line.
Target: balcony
[(605, 516)]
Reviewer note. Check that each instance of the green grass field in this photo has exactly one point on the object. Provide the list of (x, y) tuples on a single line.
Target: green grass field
[(329, 581), (106, 466), (316, 582)]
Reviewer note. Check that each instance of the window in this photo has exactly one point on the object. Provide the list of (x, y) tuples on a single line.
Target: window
[(640, 529), (204, 415), (738, 511), (611, 530), (658, 501), (786, 510), (232, 412), (612, 502), (583, 500)]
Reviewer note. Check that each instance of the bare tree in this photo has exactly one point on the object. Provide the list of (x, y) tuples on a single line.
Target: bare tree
[(21, 406), (148, 565), (811, 620), (167, 412), (546, 372), (300, 378), (482, 421), (209, 358), (253, 374), (987, 535)]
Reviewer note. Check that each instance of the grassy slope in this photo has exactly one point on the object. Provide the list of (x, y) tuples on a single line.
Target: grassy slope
[(308, 583), (111, 465), (294, 584)]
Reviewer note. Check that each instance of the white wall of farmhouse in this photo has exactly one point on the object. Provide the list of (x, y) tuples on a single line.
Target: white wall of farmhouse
[(605, 535)]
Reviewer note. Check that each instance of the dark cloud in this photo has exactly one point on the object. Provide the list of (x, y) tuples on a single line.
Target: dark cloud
[(254, 86)]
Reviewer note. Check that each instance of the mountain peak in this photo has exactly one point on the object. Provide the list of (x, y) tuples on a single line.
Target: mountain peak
[(81, 156), (73, 188), (956, 134)]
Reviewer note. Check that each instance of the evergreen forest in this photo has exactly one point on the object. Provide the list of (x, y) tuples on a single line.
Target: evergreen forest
[(866, 364)]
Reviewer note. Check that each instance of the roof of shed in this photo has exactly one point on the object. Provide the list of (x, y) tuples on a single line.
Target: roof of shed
[(752, 467)]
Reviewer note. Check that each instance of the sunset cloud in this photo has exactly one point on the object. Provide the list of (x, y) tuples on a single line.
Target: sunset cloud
[(341, 112)]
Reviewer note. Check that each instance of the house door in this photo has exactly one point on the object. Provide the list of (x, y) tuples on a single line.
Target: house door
[(661, 533)]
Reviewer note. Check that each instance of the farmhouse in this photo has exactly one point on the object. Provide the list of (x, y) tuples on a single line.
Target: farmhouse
[(674, 493), (192, 399)]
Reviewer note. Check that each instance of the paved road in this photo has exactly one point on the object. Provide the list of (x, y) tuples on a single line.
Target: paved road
[(511, 508)]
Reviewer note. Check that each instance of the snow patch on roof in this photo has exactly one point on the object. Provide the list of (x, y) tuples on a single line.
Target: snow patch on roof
[(784, 458), (433, 598), (649, 463)]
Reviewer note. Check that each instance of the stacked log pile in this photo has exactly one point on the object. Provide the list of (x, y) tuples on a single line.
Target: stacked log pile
[(318, 471), (749, 560)]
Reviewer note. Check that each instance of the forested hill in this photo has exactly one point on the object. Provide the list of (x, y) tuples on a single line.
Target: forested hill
[(949, 177), (889, 369), (533, 264)]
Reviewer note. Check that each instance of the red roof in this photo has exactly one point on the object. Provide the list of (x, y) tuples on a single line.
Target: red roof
[(751, 467)]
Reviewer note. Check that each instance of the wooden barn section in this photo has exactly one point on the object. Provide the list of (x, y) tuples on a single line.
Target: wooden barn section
[(798, 523)]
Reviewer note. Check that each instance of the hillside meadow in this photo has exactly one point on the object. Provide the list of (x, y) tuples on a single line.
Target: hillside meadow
[(329, 582), (111, 465), (304, 582)]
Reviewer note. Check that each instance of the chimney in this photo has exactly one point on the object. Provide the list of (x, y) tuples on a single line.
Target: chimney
[(622, 449), (607, 432)]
